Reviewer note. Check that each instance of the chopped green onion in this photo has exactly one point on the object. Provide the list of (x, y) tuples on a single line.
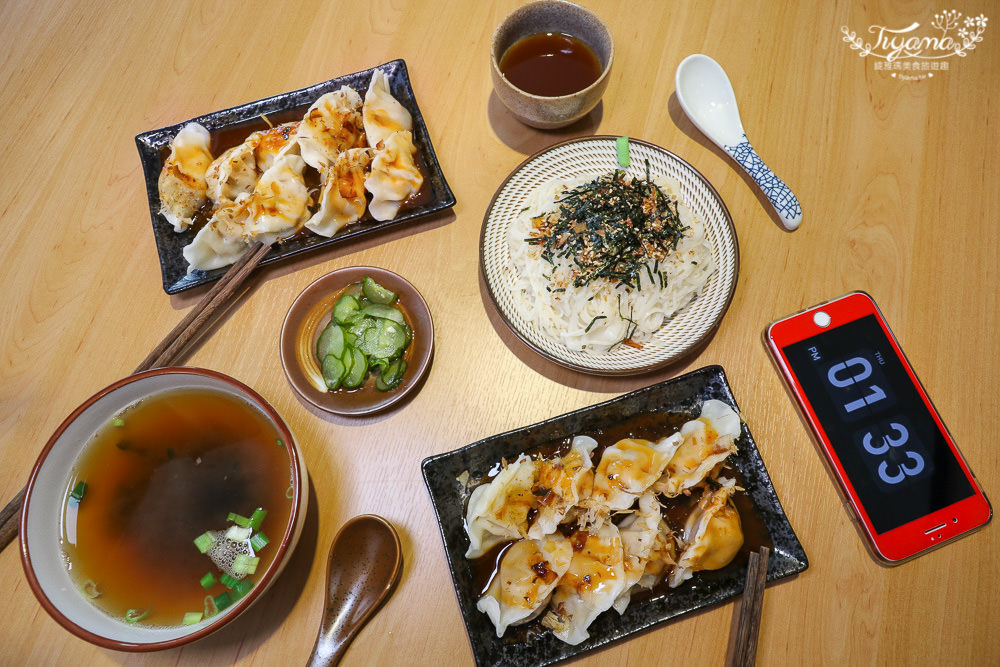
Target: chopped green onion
[(290, 491), (238, 534), (205, 541), (245, 564), (228, 581), (258, 541), (222, 600), (257, 518), (192, 617), (238, 519), (621, 144), (242, 587), (118, 421), (210, 608), (208, 581), (136, 615), (78, 491), (281, 443), (90, 589)]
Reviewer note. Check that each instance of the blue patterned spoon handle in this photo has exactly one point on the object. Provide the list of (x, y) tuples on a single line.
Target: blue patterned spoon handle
[(781, 197)]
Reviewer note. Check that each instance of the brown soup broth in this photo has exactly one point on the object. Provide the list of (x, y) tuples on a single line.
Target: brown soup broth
[(177, 465), (550, 64), (649, 426)]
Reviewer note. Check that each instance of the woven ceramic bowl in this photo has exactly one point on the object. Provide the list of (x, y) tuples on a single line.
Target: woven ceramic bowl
[(597, 155), (551, 16)]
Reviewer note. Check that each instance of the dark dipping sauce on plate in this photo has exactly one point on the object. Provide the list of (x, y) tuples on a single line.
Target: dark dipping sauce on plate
[(649, 426), (550, 64)]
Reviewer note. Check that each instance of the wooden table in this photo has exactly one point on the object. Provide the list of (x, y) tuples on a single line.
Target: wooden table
[(897, 172)]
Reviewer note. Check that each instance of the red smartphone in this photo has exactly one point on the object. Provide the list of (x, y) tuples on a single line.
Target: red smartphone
[(898, 467)]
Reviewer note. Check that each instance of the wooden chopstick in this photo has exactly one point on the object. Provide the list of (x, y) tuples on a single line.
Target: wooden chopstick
[(169, 349), (167, 352), (746, 619)]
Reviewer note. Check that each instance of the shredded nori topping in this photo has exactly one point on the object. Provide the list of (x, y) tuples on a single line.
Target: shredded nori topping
[(611, 228)]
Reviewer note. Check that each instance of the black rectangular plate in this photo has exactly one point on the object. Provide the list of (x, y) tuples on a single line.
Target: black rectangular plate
[(682, 395), (153, 145)]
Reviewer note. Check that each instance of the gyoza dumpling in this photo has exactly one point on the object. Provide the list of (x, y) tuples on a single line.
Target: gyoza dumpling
[(394, 175), (232, 174), (182, 180), (562, 483), (332, 125), (528, 573), (279, 203), (708, 441), (383, 114), (595, 579), (498, 511), (628, 468), (342, 199), (223, 240), (274, 142), (713, 534), (639, 533)]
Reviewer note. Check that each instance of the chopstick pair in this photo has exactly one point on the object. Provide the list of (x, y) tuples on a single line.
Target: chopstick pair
[(170, 348), (745, 626), (167, 352)]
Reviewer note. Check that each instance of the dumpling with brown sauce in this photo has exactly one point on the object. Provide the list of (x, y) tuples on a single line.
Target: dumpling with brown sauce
[(232, 174), (713, 533), (628, 468), (562, 483), (181, 184), (639, 532), (279, 205), (707, 441), (382, 113), (342, 197), (594, 580), (394, 175), (526, 576), (332, 125), (498, 510), (222, 240)]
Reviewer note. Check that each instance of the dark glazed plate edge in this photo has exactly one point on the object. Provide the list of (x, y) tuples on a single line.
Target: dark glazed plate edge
[(682, 394)]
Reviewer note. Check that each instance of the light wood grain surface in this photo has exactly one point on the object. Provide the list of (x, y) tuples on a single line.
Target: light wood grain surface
[(898, 178)]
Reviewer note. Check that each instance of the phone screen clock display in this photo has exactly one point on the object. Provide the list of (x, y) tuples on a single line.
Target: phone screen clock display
[(887, 445)]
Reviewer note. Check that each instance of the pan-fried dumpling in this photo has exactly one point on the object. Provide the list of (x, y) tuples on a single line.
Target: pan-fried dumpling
[(628, 468), (222, 240), (562, 483), (274, 142), (498, 510), (342, 199), (232, 174), (708, 441), (394, 175), (639, 532), (595, 579), (279, 203), (383, 114), (713, 534), (182, 180), (332, 125), (528, 573)]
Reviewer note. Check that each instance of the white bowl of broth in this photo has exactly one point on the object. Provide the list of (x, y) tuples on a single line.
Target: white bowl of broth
[(122, 496)]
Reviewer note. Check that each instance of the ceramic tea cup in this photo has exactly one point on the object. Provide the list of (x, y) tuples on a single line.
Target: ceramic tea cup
[(545, 111)]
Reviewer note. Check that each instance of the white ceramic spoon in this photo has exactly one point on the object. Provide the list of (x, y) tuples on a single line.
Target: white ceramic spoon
[(707, 97)]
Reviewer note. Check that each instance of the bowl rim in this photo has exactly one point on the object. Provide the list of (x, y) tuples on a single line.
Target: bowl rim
[(235, 610), (605, 69)]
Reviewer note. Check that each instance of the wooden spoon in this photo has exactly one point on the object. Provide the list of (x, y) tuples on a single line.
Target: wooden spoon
[(365, 562)]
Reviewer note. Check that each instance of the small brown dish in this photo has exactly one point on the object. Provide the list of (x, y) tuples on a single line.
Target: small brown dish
[(311, 312)]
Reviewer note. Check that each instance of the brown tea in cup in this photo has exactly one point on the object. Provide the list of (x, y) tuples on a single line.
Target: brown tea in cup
[(550, 64)]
